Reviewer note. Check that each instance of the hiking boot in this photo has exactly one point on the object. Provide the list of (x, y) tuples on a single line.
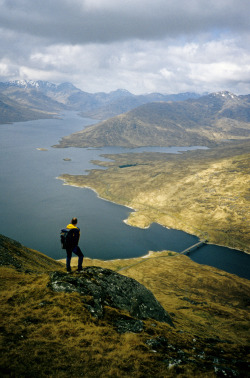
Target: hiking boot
[(79, 271)]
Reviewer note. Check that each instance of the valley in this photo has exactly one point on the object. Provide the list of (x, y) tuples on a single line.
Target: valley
[(54, 324), (203, 192)]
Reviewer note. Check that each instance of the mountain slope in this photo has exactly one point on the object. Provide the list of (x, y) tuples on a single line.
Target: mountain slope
[(48, 97), (204, 121), (14, 254), (46, 332), (12, 110), (126, 101)]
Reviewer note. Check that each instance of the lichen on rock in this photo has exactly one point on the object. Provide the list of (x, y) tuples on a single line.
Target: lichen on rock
[(109, 288)]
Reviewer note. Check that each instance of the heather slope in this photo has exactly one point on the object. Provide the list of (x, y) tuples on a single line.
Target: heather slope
[(47, 332), (206, 121)]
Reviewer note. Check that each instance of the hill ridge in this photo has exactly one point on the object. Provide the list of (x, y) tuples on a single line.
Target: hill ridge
[(50, 99), (47, 332), (207, 121)]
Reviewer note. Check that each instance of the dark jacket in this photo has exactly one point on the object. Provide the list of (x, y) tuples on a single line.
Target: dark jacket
[(73, 236)]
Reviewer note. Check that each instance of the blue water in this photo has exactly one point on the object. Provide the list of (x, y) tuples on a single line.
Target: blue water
[(35, 205)]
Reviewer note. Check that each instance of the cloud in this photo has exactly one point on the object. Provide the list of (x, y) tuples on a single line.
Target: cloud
[(93, 21), (100, 45)]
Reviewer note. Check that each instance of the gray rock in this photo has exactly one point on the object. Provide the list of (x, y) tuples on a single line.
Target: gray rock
[(129, 325), (109, 288), (157, 343)]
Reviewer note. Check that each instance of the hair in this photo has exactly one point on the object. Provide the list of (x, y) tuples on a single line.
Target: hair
[(74, 221)]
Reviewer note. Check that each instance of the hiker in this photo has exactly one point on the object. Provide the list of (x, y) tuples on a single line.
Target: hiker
[(72, 245)]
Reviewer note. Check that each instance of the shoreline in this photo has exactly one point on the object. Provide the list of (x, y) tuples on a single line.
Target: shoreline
[(134, 210), (97, 194), (148, 255)]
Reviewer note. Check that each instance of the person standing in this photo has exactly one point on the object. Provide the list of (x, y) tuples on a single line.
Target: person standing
[(72, 239)]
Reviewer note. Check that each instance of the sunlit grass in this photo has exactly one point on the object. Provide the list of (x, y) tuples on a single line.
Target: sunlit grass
[(205, 193), (44, 333)]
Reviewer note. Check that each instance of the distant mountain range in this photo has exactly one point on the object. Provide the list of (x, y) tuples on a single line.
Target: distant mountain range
[(131, 120), (23, 100), (207, 121)]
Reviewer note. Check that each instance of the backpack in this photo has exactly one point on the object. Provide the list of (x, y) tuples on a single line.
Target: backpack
[(66, 238), (69, 238), (63, 237)]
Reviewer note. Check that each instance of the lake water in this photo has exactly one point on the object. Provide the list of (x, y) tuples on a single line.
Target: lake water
[(35, 205)]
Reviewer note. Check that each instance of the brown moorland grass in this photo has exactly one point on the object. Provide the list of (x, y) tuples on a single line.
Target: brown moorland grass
[(52, 334), (45, 333), (202, 298), (205, 193)]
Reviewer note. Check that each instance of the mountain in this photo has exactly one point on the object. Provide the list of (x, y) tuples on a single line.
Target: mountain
[(12, 110), (43, 96), (96, 324), (32, 94), (206, 121), (123, 103), (24, 101)]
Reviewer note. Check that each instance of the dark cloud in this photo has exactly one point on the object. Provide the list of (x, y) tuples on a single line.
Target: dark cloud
[(92, 21)]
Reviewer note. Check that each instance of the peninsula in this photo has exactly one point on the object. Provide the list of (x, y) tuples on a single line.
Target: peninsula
[(202, 192)]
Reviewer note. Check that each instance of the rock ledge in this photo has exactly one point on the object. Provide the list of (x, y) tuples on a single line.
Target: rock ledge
[(109, 288)]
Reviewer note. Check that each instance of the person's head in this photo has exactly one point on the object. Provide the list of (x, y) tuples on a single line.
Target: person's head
[(74, 221)]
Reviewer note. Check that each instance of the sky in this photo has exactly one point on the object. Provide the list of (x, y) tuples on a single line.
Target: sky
[(143, 46)]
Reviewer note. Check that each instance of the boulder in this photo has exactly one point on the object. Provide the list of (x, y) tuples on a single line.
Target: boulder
[(112, 289)]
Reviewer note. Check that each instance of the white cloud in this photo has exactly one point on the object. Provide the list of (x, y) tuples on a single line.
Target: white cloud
[(5, 68), (101, 45)]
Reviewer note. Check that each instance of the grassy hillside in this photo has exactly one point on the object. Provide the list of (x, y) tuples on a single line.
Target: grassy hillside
[(205, 121), (205, 193), (18, 111), (14, 254), (45, 333)]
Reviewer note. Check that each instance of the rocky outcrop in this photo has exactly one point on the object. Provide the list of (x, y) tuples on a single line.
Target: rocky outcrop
[(109, 288)]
